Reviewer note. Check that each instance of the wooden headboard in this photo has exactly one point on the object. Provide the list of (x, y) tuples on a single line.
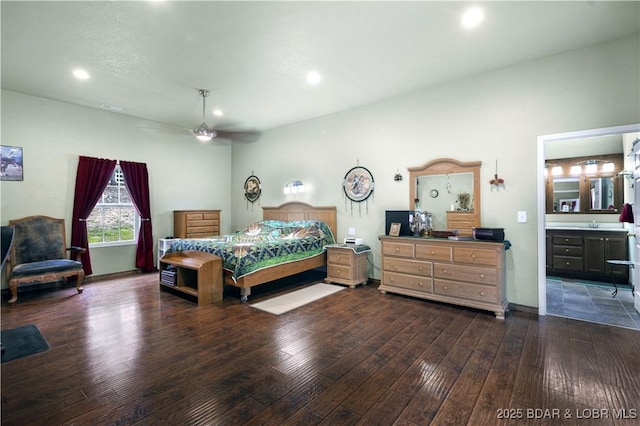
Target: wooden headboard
[(302, 211)]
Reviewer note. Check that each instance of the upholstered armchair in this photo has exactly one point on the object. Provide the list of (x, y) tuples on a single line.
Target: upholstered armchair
[(38, 254)]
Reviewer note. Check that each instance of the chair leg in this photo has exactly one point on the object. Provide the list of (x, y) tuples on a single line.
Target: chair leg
[(79, 281), (13, 289)]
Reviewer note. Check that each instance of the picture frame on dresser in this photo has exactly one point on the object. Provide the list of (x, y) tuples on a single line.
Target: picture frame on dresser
[(394, 230)]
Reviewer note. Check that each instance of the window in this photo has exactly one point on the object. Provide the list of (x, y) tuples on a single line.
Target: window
[(114, 219)]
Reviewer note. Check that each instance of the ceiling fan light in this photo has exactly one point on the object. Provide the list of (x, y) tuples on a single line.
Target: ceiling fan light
[(203, 133)]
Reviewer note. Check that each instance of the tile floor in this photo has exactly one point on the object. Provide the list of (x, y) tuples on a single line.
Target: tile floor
[(591, 301)]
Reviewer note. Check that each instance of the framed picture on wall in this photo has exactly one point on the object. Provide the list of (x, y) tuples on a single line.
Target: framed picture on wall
[(11, 163)]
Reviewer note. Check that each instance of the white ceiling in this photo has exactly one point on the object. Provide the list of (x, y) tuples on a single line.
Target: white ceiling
[(150, 57)]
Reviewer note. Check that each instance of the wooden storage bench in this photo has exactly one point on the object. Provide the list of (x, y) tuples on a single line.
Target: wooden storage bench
[(195, 273)]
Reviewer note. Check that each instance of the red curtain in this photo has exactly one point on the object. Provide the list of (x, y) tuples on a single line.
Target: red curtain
[(136, 178), (91, 180)]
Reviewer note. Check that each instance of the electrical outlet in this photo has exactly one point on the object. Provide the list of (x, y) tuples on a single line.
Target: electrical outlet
[(522, 217), (352, 231)]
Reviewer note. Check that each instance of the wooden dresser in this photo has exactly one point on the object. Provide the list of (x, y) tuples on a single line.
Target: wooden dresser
[(196, 223), (468, 273)]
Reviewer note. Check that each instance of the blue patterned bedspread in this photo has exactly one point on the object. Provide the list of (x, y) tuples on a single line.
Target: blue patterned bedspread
[(262, 244)]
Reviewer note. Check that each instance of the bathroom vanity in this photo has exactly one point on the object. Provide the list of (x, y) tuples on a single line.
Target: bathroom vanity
[(582, 252)]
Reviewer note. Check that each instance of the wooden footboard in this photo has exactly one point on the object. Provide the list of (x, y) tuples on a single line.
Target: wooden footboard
[(275, 272)]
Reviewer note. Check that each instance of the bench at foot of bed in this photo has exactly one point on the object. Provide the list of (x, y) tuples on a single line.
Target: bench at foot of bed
[(196, 273)]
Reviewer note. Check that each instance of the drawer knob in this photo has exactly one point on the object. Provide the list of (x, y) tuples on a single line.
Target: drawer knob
[(566, 240), (567, 250), (397, 249), (339, 257), (482, 276), (482, 293), (339, 271), (444, 271), (445, 287), (568, 263), (473, 255), (421, 268), (432, 252), (420, 284)]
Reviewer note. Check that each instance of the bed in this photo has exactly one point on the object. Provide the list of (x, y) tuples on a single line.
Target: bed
[(289, 240)]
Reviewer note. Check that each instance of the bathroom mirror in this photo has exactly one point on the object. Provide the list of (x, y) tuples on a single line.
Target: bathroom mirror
[(571, 188), (566, 195), (604, 194), (449, 189)]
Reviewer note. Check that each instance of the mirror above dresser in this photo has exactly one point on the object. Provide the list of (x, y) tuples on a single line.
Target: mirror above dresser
[(450, 190)]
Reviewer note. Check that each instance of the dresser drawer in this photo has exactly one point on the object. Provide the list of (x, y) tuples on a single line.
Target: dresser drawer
[(398, 249), (339, 271), (479, 292), (340, 257), (475, 256), (194, 216), (433, 252), (407, 266), (460, 223), (411, 282), (567, 263), (567, 240), (568, 250), (473, 274)]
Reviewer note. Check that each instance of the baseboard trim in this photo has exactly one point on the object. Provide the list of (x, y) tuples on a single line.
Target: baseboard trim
[(111, 276), (523, 308)]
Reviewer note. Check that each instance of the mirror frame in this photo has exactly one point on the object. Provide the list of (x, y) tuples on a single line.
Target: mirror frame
[(442, 166)]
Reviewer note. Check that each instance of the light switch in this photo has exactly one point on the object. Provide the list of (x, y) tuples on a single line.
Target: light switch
[(522, 217), (352, 231)]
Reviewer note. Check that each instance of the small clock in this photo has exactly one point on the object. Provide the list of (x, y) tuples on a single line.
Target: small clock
[(434, 193)]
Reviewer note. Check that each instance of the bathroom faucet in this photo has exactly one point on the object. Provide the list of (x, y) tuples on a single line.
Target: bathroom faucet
[(593, 224)]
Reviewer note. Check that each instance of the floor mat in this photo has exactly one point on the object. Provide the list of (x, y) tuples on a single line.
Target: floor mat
[(295, 299), (21, 342)]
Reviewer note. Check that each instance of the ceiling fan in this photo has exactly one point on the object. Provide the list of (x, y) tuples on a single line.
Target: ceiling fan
[(204, 133)]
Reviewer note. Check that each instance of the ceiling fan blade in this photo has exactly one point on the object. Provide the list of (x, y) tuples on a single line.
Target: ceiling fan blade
[(239, 136)]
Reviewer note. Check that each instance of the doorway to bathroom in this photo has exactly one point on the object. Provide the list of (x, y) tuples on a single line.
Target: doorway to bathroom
[(582, 297)]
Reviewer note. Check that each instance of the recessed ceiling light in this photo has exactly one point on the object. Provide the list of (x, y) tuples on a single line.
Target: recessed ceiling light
[(218, 113), (81, 74), (313, 77), (472, 17)]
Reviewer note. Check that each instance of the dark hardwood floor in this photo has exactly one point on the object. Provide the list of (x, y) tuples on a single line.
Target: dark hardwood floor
[(125, 353)]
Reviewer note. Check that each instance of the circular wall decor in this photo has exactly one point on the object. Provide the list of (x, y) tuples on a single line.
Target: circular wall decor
[(434, 193), (252, 188), (358, 184)]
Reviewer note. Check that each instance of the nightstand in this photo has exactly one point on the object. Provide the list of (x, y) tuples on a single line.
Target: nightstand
[(347, 264)]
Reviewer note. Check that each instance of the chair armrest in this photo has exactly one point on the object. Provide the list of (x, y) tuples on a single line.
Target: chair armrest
[(77, 250)]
